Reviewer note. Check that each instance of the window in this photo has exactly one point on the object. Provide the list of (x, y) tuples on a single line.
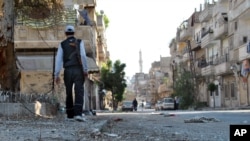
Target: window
[(235, 26), (226, 90), (233, 90), (217, 91)]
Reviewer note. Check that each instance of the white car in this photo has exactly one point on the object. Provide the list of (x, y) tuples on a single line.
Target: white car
[(167, 103), (158, 105)]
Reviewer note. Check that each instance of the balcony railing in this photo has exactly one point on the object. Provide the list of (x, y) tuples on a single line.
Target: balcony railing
[(87, 3), (222, 65), (208, 70), (100, 22), (56, 19), (207, 40), (26, 37), (186, 33)]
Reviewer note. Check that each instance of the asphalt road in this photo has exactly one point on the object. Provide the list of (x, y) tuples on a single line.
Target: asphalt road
[(146, 125), (175, 125)]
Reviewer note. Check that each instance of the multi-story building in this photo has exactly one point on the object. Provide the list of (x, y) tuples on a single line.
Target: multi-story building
[(219, 40), (159, 81), (36, 40), (141, 87)]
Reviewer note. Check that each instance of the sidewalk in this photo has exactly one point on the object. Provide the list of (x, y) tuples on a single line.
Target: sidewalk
[(55, 129), (227, 108)]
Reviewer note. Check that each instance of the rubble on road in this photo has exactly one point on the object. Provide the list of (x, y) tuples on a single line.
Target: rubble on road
[(201, 120)]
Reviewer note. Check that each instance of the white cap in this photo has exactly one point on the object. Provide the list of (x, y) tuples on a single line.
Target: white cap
[(69, 28)]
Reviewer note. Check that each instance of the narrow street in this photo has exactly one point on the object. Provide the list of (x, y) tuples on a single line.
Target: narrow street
[(146, 125), (171, 125)]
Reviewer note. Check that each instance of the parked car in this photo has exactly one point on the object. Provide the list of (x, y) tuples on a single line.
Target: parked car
[(148, 105), (127, 106), (167, 103), (158, 105)]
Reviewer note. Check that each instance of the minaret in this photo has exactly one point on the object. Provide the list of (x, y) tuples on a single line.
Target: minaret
[(140, 61)]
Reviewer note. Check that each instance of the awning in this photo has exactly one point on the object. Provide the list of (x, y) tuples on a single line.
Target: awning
[(92, 66), (36, 63), (45, 63)]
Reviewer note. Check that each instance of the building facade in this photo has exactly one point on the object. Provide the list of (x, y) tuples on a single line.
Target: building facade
[(36, 40), (219, 49)]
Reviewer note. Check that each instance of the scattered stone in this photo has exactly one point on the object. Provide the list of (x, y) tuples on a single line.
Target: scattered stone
[(169, 115), (110, 134), (201, 120)]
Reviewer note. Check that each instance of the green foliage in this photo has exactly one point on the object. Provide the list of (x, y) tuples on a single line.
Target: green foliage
[(106, 21), (113, 77), (211, 87), (184, 89)]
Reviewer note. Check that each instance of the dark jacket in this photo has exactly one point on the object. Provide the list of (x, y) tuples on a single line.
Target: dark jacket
[(70, 57), (135, 103)]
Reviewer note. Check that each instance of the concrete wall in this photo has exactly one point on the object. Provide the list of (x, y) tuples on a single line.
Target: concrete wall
[(27, 109)]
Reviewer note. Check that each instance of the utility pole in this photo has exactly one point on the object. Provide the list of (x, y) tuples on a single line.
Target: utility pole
[(140, 61), (192, 67)]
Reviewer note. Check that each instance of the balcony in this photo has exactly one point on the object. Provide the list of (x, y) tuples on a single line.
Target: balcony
[(100, 23), (221, 31), (186, 33), (207, 40), (240, 9), (195, 45), (223, 65), (223, 68), (243, 54), (87, 3), (208, 70), (29, 38), (206, 14)]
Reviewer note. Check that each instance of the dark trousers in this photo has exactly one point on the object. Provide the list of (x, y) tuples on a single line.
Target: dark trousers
[(74, 75)]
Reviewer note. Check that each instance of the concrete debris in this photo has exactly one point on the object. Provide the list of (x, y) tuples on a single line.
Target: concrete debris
[(95, 132), (118, 119), (110, 134), (169, 115), (201, 120)]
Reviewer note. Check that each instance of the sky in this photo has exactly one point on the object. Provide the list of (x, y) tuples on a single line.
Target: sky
[(146, 25)]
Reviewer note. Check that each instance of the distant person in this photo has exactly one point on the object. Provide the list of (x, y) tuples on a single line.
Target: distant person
[(135, 104), (176, 102), (142, 105), (85, 16)]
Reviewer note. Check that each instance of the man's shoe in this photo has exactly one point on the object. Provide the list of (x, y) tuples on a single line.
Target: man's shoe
[(79, 118), (70, 119)]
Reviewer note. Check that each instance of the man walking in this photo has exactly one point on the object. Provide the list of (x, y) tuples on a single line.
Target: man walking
[(71, 56), (135, 103)]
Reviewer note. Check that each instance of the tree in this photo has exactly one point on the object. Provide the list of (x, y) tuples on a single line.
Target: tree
[(212, 87), (8, 69), (184, 89), (113, 78)]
